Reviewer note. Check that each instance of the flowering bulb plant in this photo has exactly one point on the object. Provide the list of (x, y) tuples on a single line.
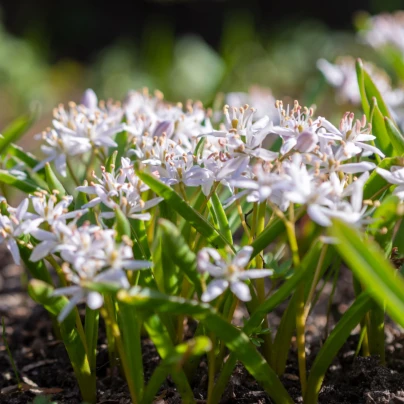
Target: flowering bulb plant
[(154, 217)]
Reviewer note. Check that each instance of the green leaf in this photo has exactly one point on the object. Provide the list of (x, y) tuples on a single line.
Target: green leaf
[(110, 164), (139, 231), (159, 335), (122, 225), (130, 325), (221, 218), (235, 340), (360, 73), (27, 158), (396, 138), (26, 185), (372, 91), (205, 228), (181, 254), (174, 362), (369, 265), (14, 131), (334, 343), (385, 219), (376, 182), (379, 130), (41, 292), (53, 182)]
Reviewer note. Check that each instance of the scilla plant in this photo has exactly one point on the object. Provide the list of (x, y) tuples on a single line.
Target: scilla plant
[(157, 218)]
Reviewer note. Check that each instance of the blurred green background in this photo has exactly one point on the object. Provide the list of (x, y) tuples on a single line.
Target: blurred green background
[(51, 51)]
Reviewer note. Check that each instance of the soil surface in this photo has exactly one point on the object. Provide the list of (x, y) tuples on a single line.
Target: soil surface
[(45, 369)]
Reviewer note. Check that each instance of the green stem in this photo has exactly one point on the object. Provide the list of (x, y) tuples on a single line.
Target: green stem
[(300, 319), (260, 284), (376, 333), (71, 171), (314, 283), (91, 334), (108, 312), (365, 343)]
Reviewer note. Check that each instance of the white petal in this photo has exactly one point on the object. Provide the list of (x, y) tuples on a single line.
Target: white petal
[(70, 306), (137, 264), (68, 291), (13, 248), (242, 258), (241, 290), (317, 214), (255, 274), (388, 176), (214, 289), (356, 167), (42, 250), (94, 300)]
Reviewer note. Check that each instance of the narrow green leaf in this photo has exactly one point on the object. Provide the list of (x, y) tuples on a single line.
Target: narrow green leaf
[(173, 362), (29, 159), (369, 265), (360, 73), (396, 138), (372, 91), (205, 228), (14, 131), (334, 343), (122, 225), (110, 164), (385, 218), (181, 254), (221, 218), (235, 340), (379, 130), (161, 339), (41, 292), (24, 185), (139, 231), (130, 324), (53, 182)]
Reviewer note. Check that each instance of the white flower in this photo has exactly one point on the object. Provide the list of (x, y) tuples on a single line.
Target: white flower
[(394, 176), (228, 274), (13, 226), (58, 147), (122, 189), (178, 169), (351, 212), (49, 210), (352, 134), (94, 257)]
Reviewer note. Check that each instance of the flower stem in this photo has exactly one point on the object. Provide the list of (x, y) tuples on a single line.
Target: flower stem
[(91, 331), (300, 318), (71, 171), (108, 313), (316, 278), (260, 284)]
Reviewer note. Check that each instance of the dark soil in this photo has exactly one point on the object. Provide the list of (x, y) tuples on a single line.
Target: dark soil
[(45, 369)]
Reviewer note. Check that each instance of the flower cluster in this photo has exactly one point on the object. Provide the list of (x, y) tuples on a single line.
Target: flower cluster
[(314, 168)]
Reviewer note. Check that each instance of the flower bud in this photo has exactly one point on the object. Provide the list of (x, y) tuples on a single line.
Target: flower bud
[(89, 99), (306, 142), (166, 127)]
